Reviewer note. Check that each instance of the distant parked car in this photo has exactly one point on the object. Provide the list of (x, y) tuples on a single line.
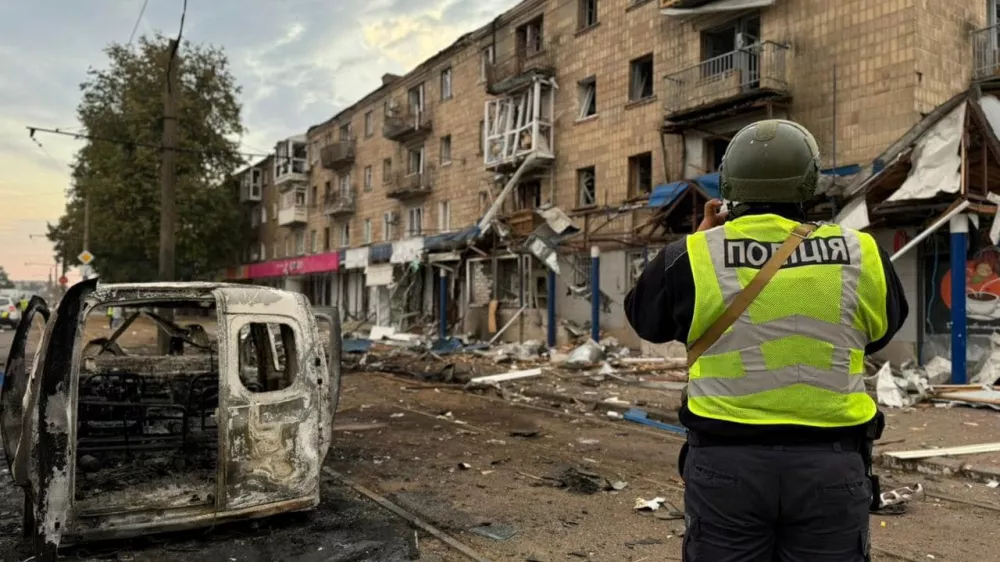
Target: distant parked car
[(10, 314)]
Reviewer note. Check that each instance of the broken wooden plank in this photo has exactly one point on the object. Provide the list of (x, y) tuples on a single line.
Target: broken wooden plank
[(509, 376), (945, 451)]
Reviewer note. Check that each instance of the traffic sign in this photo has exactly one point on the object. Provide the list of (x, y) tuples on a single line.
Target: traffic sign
[(85, 257), (63, 280)]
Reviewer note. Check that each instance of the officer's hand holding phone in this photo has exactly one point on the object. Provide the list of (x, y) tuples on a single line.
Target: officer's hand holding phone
[(713, 216)]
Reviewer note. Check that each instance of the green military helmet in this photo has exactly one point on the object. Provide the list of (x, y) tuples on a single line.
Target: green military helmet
[(772, 161)]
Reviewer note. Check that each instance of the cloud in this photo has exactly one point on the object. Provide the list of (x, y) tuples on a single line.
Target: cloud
[(298, 61)]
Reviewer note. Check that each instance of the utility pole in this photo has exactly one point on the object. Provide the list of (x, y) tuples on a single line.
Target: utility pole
[(86, 233), (168, 179)]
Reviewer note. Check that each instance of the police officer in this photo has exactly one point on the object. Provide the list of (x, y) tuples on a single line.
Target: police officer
[(777, 466)]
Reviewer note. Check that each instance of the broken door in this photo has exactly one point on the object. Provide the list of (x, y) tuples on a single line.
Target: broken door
[(20, 364), (270, 400)]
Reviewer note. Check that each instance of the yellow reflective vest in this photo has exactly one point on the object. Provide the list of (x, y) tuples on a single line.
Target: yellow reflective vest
[(796, 354)]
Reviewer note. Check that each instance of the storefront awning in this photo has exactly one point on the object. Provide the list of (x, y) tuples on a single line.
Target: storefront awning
[(305, 265)]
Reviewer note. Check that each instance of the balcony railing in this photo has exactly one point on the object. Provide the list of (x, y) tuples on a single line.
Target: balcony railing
[(408, 185), (340, 203), (514, 72), (290, 170), (986, 53), (751, 71), (296, 214), (407, 124), (338, 155)]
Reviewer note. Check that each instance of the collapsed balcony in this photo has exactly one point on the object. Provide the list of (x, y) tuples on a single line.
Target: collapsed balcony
[(748, 74), (517, 72), (405, 185), (520, 124), (404, 125), (338, 155), (340, 204)]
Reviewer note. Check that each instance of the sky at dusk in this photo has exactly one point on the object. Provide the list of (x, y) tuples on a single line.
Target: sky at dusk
[(298, 61)]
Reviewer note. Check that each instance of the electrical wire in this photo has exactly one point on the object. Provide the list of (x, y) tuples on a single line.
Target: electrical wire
[(137, 21), (80, 136)]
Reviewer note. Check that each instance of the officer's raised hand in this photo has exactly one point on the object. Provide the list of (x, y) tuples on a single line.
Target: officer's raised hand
[(713, 217)]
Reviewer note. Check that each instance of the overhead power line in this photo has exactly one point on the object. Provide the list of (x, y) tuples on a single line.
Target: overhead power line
[(97, 138), (137, 21)]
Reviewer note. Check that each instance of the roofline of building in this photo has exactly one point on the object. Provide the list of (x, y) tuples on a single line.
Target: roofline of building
[(463, 41)]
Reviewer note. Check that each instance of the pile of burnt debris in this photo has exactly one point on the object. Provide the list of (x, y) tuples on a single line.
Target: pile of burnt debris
[(603, 377)]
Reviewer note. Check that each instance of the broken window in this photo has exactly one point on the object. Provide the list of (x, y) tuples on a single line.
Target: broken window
[(482, 136), (508, 286), (369, 123), (640, 174), (368, 178), (345, 132), (588, 97), (581, 270), (345, 235), (314, 200), (313, 242), (446, 84), (641, 81), (528, 195), (386, 170), (146, 432), (719, 46), (415, 98), (388, 224), (486, 60), (268, 358), (415, 161), (587, 16), (300, 242), (529, 37), (444, 216), (715, 149), (445, 149), (415, 221), (635, 262), (326, 239), (586, 180), (368, 231)]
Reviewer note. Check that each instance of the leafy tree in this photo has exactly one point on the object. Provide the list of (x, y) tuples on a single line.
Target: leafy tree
[(5, 282), (118, 167)]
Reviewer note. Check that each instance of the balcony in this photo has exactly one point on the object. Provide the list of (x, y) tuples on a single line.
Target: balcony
[(251, 186), (338, 155), (296, 214), (408, 186), (752, 73), (519, 124), (291, 165), (340, 204), (517, 72), (402, 125), (986, 53)]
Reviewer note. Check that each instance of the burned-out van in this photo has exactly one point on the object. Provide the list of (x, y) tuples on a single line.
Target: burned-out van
[(188, 405)]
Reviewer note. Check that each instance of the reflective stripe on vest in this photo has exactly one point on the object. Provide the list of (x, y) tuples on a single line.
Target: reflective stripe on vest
[(796, 355)]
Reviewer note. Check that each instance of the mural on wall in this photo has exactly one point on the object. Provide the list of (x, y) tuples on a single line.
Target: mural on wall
[(982, 293)]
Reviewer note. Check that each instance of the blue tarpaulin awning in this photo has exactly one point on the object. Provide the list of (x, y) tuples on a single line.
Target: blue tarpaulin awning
[(664, 195), (450, 240), (379, 253)]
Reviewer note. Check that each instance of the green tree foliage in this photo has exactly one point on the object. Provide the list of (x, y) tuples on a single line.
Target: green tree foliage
[(124, 102), (5, 282)]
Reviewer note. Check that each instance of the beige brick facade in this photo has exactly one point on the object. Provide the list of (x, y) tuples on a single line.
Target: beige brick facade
[(894, 59)]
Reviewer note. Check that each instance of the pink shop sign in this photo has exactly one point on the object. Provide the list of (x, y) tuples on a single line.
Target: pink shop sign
[(305, 265)]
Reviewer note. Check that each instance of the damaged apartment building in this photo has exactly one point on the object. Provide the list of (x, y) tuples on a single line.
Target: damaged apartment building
[(475, 189)]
